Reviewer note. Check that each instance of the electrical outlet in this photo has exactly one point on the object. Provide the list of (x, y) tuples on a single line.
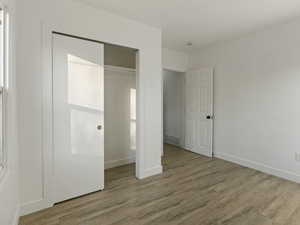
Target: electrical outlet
[(297, 156)]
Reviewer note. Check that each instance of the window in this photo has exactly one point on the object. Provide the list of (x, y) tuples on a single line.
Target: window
[(3, 83)]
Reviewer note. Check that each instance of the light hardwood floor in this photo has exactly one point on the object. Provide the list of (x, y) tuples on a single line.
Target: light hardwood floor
[(193, 190)]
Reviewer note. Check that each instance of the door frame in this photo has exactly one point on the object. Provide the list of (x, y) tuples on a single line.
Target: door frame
[(47, 199)]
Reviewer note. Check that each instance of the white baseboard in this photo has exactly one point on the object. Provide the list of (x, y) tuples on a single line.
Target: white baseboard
[(119, 162), (151, 172), (260, 167), (16, 217), (41, 204), (34, 206), (172, 140), (204, 153), (170, 143)]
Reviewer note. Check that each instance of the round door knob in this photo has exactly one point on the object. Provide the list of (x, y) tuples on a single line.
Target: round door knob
[(99, 127), (208, 117)]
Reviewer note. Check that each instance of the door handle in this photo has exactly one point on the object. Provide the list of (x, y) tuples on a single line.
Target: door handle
[(99, 127), (209, 117)]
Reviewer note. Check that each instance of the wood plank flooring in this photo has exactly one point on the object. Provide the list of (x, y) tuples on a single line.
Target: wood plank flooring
[(193, 190)]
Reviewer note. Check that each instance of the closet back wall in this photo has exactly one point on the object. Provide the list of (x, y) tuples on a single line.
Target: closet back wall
[(120, 110)]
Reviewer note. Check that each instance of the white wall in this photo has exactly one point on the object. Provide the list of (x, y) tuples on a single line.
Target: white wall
[(118, 83), (173, 107), (9, 187), (70, 17), (174, 60), (257, 92)]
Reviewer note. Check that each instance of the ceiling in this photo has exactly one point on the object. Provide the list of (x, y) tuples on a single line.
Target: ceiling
[(202, 22)]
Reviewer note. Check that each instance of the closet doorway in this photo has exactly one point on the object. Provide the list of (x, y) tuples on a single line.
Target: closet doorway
[(120, 112)]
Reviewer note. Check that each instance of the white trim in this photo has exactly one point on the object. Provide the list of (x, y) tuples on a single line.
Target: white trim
[(169, 68), (213, 106), (260, 167), (151, 172), (47, 123), (140, 118), (119, 162), (119, 69), (7, 48), (119, 72), (203, 152), (16, 217), (162, 111), (34, 206)]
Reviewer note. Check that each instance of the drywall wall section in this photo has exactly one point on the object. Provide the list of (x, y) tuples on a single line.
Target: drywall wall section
[(81, 20), (173, 107), (174, 60), (9, 187), (256, 99)]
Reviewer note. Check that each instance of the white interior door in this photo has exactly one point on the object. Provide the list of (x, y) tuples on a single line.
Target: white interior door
[(199, 111), (78, 110)]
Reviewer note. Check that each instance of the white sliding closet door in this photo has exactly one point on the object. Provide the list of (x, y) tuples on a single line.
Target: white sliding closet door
[(199, 111), (78, 102)]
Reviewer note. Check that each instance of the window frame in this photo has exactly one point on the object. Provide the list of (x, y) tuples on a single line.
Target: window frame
[(4, 88)]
